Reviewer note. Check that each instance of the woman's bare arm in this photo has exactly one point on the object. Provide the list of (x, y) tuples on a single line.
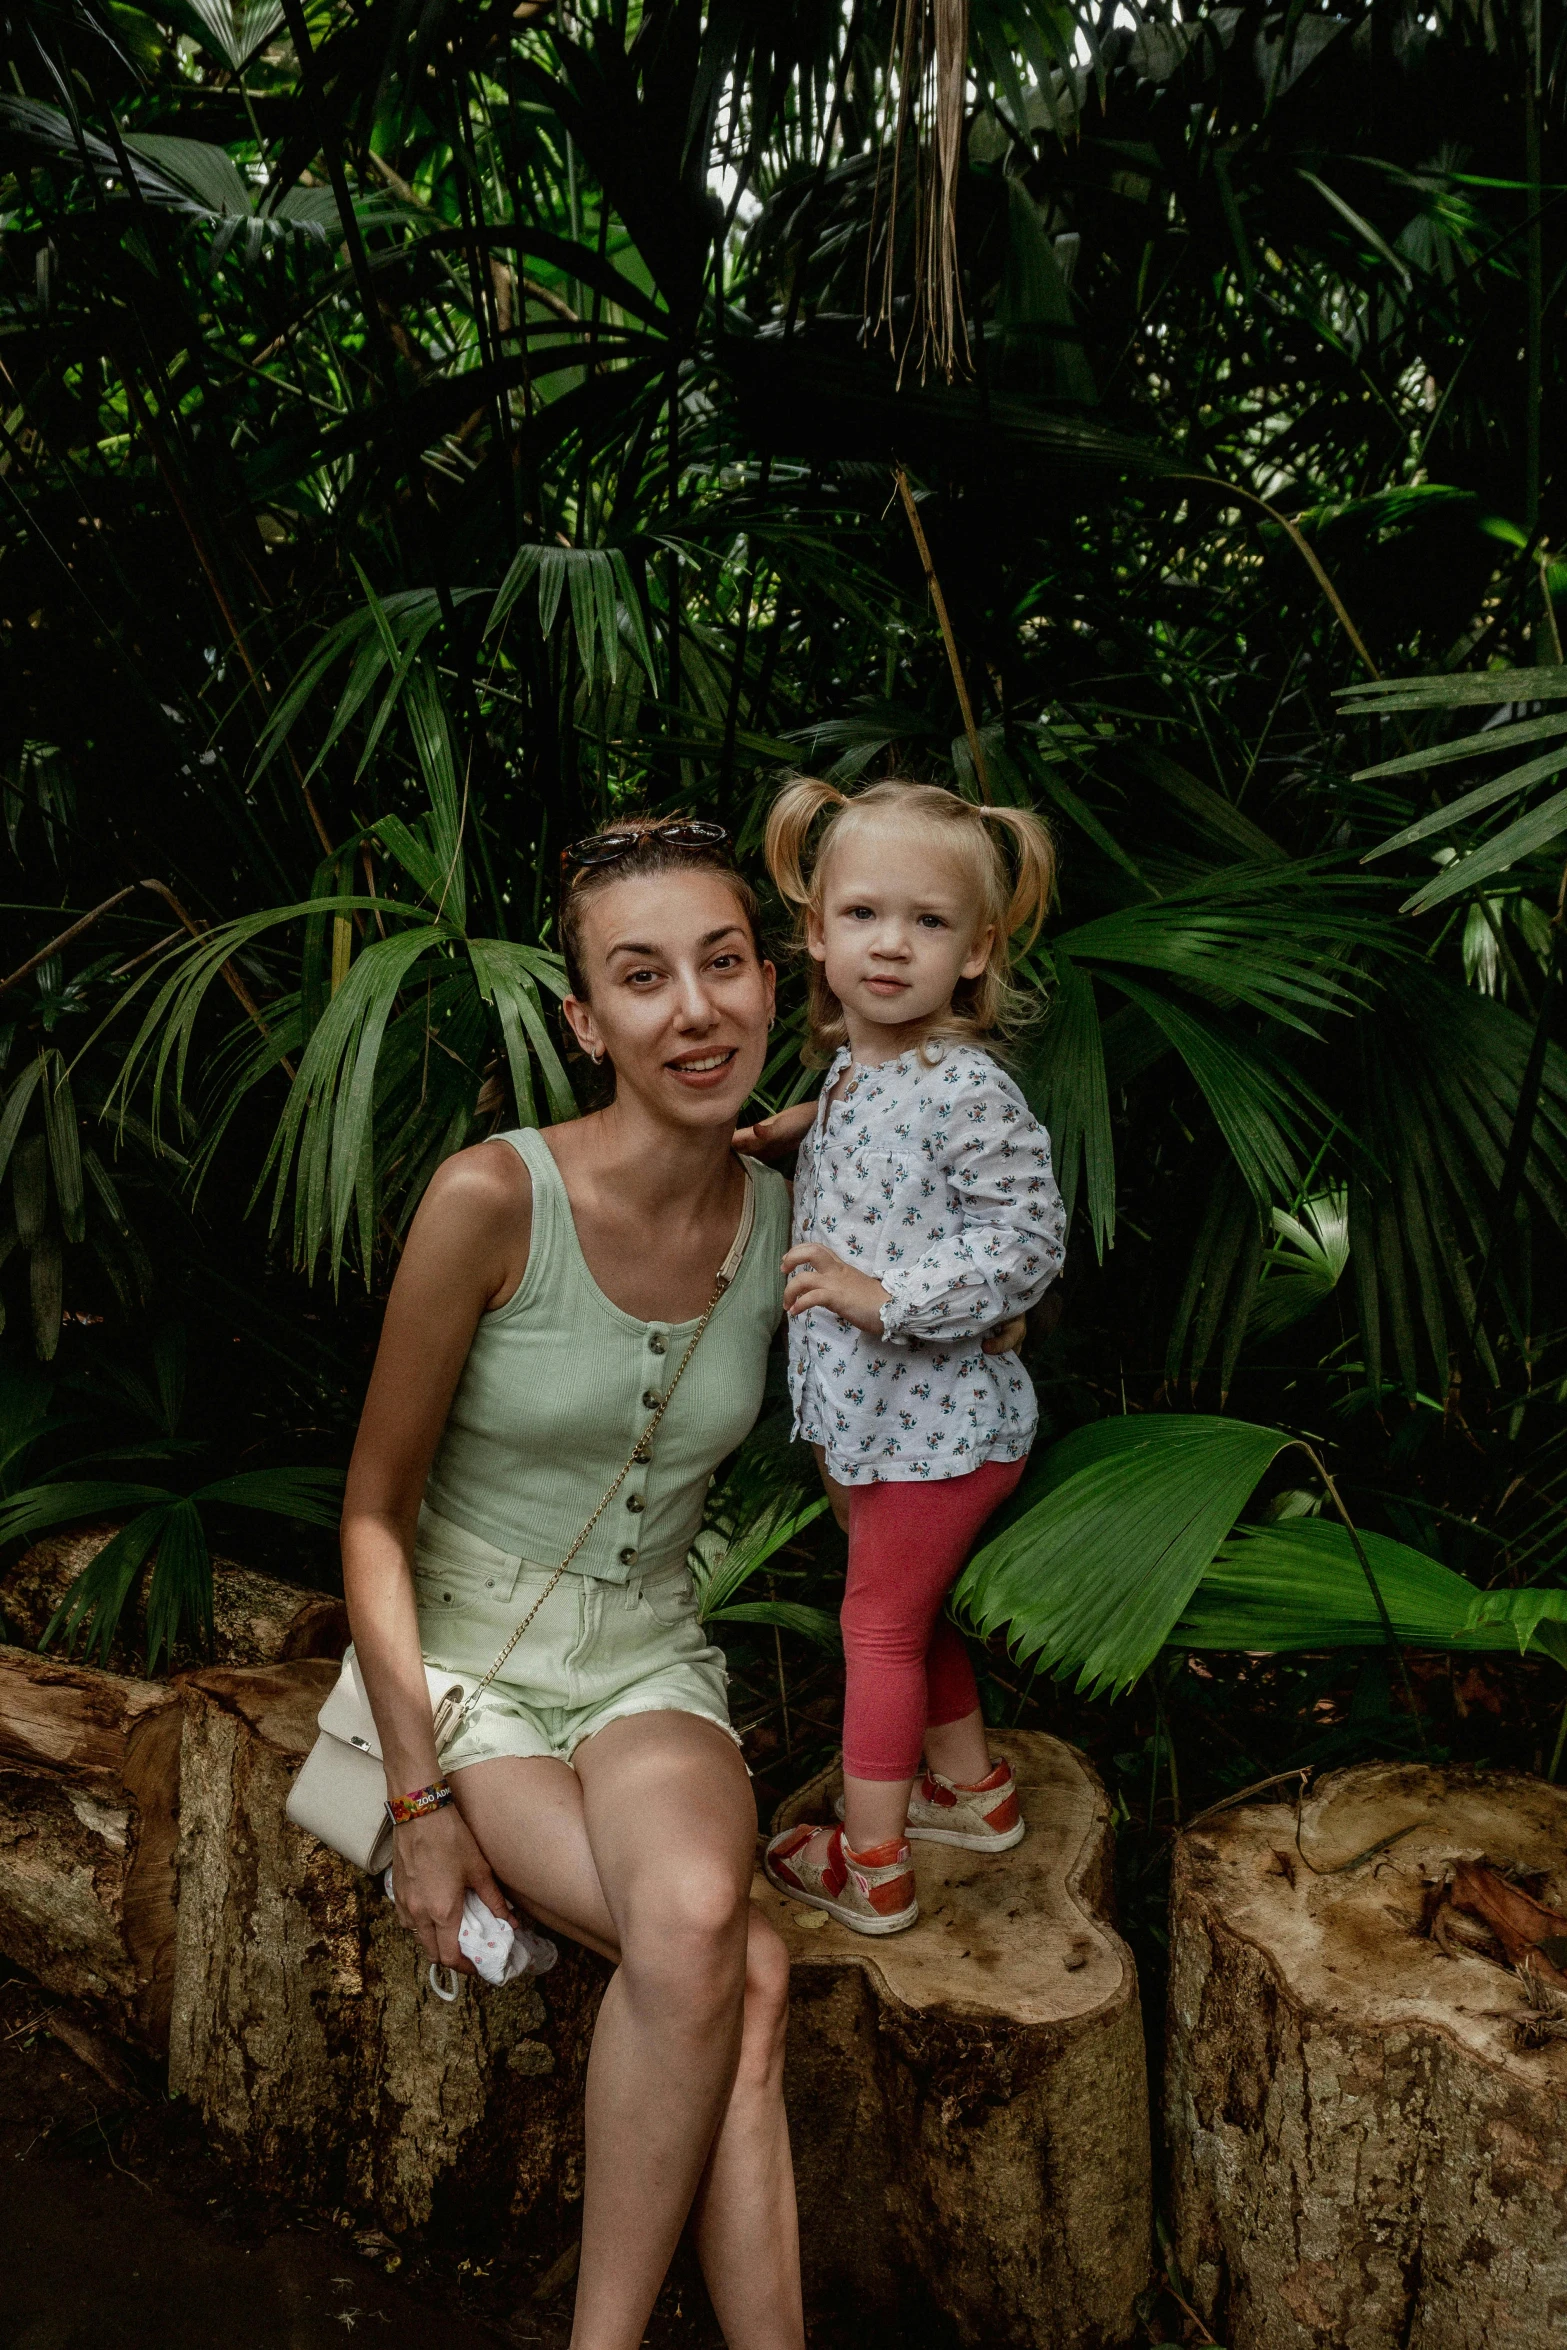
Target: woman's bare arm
[(466, 1252)]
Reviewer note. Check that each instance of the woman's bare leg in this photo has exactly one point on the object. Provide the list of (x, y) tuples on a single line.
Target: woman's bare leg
[(644, 1852), (527, 1818), (669, 1818), (747, 2225)]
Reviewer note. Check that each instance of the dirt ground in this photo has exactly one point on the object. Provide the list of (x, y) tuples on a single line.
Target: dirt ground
[(117, 2232)]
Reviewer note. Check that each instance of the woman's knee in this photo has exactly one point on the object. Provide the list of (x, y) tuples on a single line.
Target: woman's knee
[(686, 1935)]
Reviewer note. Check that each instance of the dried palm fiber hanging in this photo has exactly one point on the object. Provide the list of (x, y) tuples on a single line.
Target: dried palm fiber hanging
[(929, 59)]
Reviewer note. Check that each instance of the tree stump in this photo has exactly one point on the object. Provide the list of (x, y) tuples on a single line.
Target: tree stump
[(89, 1781), (1368, 2136), (256, 1618), (968, 2101), (89, 1791), (305, 2032)]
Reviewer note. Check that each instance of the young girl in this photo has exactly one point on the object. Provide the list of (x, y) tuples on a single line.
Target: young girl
[(925, 1212)]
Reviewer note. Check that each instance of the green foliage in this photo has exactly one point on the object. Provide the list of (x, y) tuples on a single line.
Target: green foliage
[(1521, 836), (415, 454), (167, 1527), (161, 1524), (1299, 1585), (760, 1509), (1124, 1539), (1109, 1536), (1306, 1263)]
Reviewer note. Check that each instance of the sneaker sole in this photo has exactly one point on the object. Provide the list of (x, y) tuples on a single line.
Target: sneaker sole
[(897, 1924), (1002, 1841)]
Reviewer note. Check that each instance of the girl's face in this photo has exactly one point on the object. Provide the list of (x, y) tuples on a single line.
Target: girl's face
[(679, 999), (899, 926)]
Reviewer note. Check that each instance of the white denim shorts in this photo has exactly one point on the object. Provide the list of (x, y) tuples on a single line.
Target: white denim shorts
[(595, 1653)]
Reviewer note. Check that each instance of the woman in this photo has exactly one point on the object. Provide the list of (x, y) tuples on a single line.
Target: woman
[(549, 1289)]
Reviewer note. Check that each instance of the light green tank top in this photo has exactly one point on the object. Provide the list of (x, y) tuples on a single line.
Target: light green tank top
[(559, 1384)]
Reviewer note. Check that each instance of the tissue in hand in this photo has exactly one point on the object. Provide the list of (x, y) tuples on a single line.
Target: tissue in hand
[(498, 1951)]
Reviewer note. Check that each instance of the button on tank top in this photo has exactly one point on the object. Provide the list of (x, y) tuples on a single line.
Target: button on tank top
[(559, 1384)]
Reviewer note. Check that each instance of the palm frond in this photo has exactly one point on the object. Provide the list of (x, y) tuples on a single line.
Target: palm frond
[(724, 1566), (1305, 1264), (1261, 1105), (314, 1496), (95, 1602), (36, 1509), (789, 1615), (1091, 1576), (325, 1142), (606, 611), (1065, 1082), (1298, 1584), (1467, 689), (233, 30), (1274, 940)]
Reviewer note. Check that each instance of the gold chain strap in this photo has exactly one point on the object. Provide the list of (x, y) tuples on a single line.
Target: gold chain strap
[(641, 1451)]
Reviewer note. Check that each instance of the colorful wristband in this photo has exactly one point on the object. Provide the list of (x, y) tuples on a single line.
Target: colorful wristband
[(402, 1808)]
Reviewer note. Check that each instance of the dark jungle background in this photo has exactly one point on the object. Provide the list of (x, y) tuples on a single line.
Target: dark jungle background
[(431, 427)]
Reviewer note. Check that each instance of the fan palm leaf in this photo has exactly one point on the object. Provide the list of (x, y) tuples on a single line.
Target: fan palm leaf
[(1299, 1584), (1108, 1538)]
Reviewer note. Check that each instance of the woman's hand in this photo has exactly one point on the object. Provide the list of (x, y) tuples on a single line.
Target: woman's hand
[(776, 1137), (1006, 1337), (435, 1861), (813, 1276)]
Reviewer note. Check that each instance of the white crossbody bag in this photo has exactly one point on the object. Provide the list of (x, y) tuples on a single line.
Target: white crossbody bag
[(340, 1792)]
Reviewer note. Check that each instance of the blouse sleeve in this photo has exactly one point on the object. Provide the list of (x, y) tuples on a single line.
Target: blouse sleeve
[(1009, 1246)]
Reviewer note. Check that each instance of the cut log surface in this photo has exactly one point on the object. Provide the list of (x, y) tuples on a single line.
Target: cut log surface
[(968, 2100), (89, 1780), (305, 2031), (257, 1619), (1368, 2135)]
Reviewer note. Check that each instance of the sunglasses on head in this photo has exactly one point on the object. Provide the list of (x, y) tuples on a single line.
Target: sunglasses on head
[(677, 832)]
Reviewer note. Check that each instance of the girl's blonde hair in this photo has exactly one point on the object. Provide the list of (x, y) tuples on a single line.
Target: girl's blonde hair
[(1013, 899)]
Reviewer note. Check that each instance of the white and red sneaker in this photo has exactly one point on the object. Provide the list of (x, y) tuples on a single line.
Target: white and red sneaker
[(871, 1892), (984, 1818)]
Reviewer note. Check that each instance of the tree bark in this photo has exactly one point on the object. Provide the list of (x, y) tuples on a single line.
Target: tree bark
[(305, 2032), (968, 2101), (1368, 2137), (89, 1793)]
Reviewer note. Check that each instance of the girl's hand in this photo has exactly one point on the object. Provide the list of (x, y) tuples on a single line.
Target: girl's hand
[(1006, 1337), (813, 1276), (776, 1137), (435, 1860)]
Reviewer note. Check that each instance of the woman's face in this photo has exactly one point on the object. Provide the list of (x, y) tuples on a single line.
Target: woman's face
[(677, 996)]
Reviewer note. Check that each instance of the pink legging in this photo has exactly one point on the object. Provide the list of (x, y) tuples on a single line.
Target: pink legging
[(907, 1667)]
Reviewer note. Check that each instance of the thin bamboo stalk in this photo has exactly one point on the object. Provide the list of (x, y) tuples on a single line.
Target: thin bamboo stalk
[(947, 637)]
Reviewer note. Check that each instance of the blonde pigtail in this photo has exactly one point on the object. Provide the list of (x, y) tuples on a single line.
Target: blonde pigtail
[(1012, 894), (788, 828), (1035, 852)]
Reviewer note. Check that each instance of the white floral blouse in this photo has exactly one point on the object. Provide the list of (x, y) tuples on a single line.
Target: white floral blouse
[(936, 1178)]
